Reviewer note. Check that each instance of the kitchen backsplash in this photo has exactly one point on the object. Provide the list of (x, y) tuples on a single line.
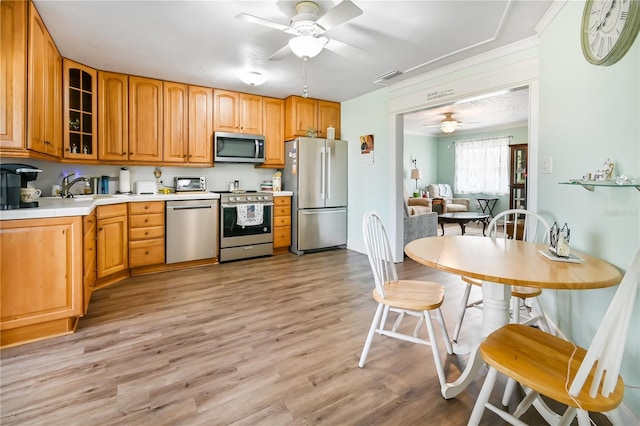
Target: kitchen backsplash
[(218, 177)]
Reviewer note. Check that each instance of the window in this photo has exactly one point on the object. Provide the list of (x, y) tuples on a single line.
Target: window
[(482, 166)]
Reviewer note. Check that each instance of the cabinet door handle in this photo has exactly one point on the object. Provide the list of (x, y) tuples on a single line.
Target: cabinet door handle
[(146, 233), (124, 153), (99, 229)]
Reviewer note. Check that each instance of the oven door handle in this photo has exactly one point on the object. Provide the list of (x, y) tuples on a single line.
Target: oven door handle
[(226, 206), (196, 206)]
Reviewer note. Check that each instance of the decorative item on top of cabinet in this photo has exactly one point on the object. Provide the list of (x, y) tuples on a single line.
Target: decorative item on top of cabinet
[(146, 233), (113, 111), (80, 118), (145, 119), (281, 224), (13, 73), (302, 114), (44, 92), (40, 278), (175, 122), (112, 244), (89, 254), (237, 112), (273, 126)]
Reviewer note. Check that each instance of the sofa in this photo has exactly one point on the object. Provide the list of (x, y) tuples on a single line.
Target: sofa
[(419, 220), (449, 203)]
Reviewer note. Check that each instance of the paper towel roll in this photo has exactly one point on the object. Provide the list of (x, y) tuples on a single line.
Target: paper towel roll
[(125, 180)]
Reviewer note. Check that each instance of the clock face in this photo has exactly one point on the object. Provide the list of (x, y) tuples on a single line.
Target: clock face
[(609, 28)]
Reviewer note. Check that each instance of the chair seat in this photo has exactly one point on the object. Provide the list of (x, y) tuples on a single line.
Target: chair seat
[(456, 208), (539, 360), (412, 295)]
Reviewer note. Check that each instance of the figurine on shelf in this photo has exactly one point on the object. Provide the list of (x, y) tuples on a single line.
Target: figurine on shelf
[(85, 150), (74, 148)]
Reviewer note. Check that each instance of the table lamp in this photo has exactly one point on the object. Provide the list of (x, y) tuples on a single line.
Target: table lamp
[(416, 174)]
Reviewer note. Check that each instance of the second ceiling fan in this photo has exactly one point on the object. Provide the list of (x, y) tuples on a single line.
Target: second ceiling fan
[(450, 124), (308, 26)]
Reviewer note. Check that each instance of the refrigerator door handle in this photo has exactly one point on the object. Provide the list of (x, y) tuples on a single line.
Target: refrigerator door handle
[(323, 172), (328, 174)]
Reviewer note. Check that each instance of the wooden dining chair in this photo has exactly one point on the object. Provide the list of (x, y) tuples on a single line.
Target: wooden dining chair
[(584, 380), (512, 224), (401, 298)]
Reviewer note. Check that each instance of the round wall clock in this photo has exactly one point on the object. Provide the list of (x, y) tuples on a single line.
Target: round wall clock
[(609, 28)]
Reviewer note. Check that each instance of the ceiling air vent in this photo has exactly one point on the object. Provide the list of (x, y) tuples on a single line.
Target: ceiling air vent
[(387, 76)]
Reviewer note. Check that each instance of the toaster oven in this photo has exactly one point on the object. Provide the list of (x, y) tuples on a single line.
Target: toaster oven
[(191, 184)]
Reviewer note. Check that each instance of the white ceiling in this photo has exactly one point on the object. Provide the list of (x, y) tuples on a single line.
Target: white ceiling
[(203, 43)]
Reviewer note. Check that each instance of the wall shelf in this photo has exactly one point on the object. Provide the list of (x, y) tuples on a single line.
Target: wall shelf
[(591, 184)]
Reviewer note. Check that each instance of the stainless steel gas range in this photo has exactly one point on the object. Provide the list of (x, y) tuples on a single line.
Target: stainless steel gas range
[(246, 225)]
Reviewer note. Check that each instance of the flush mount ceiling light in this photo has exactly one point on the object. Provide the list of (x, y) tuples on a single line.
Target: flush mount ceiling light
[(306, 46), (252, 78)]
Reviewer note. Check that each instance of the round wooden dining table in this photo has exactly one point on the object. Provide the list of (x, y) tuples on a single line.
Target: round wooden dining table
[(501, 263)]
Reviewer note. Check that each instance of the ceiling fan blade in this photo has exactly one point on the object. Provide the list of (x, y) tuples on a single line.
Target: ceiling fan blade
[(263, 22), (280, 54), (343, 12), (343, 49)]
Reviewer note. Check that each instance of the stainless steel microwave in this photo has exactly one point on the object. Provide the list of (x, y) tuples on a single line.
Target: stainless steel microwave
[(238, 148)]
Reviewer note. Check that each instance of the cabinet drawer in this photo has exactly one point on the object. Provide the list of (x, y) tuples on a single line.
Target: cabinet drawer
[(151, 232), (145, 220), (113, 210), (146, 207), (281, 237), (282, 221), (281, 201), (148, 252), (281, 211)]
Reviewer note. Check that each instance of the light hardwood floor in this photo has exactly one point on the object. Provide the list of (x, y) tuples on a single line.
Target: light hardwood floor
[(271, 341)]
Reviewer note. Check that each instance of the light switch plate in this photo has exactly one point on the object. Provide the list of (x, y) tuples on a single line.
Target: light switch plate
[(547, 165)]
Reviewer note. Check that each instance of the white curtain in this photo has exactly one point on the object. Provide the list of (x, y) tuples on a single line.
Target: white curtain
[(482, 166)]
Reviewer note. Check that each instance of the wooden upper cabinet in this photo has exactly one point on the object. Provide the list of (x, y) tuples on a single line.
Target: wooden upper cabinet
[(200, 125), (250, 114), (328, 115), (80, 111), (175, 112), (302, 114), (273, 126), (113, 113), (145, 119), (13, 72), (237, 112), (44, 89)]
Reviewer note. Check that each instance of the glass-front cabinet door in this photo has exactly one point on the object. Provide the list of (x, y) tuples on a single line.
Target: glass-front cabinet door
[(80, 111), (518, 179)]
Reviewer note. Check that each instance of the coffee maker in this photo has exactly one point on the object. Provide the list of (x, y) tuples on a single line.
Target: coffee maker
[(13, 177)]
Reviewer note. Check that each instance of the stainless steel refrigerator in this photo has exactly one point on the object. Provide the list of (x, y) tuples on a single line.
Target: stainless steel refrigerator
[(316, 172)]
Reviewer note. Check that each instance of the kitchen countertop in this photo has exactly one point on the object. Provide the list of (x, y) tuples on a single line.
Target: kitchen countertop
[(82, 205)]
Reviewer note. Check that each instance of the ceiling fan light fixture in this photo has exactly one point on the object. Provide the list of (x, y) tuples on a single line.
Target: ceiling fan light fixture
[(306, 46), (252, 78), (449, 126)]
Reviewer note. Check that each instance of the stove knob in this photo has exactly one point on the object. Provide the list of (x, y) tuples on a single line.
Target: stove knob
[(232, 199), (249, 198)]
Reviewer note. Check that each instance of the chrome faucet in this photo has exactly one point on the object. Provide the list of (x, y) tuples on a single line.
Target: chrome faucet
[(66, 185)]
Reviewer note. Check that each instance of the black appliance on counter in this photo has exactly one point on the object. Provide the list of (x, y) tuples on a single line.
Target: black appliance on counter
[(14, 176)]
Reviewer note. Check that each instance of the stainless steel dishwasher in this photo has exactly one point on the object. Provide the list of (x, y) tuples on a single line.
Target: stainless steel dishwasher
[(192, 230)]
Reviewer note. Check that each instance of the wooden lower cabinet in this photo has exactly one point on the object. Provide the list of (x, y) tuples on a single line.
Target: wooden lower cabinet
[(146, 233), (89, 226), (112, 241), (281, 224), (40, 278)]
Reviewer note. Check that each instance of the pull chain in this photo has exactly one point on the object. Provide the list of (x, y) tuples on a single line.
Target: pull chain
[(305, 91)]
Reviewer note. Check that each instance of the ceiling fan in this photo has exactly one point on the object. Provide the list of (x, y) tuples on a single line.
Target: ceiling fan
[(450, 124), (307, 27)]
